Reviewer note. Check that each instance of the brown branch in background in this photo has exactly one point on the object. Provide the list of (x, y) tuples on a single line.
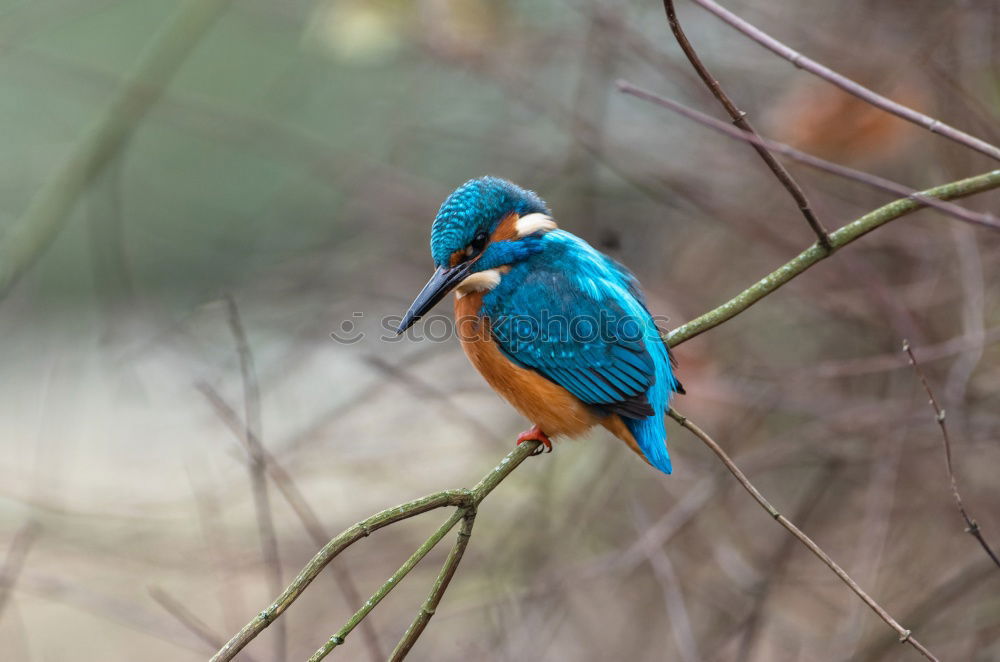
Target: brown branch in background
[(850, 86), (296, 500), (904, 634), (258, 476), (961, 213), (740, 120), (185, 617), (14, 561), (972, 527)]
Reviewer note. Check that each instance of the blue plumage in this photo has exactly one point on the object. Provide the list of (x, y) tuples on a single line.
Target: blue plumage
[(573, 315), (478, 205), (559, 314)]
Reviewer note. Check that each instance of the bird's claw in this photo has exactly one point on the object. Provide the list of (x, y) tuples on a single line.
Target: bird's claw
[(535, 434)]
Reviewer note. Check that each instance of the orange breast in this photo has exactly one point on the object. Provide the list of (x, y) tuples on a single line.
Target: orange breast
[(556, 411)]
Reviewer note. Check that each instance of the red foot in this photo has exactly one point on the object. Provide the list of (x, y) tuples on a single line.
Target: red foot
[(535, 434)]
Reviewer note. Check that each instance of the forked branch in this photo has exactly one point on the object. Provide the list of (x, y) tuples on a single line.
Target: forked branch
[(971, 525)]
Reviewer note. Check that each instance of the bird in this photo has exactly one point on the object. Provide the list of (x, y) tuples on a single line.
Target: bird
[(557, 328)]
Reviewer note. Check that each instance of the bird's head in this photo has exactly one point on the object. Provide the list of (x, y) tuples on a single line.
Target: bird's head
[(483, 226)]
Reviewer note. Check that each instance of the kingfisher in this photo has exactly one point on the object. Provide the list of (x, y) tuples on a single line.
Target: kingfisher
[(556, 327)]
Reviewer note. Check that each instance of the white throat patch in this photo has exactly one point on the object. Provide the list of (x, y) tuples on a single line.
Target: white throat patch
[(481, 281), (533, 223)]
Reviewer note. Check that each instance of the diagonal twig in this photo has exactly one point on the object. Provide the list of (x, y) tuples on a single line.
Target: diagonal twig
[(440, 585), (461, 499), (848, 85), (971, 526), (300, 506), (14, 561), (740, 120), (257, 467), (183, 615), (904, 634), (840, 238), (985, 220)]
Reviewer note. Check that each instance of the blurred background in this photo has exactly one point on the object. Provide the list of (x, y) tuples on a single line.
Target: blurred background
[(286, 174)]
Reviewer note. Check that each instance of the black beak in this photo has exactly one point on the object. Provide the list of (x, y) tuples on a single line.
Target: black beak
[(443, 281)]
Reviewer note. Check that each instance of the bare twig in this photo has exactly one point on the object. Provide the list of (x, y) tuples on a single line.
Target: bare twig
[(461, 499), (985, 220), (740, 120), (437, 590), (971, 526), (389, 584), (850, 86), (183, 615), (840, 238), (14, 561), (904, 634), (296, 500), (257, 466)]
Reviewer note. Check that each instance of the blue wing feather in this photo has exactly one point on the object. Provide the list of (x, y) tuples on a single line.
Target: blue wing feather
[(578, 318)]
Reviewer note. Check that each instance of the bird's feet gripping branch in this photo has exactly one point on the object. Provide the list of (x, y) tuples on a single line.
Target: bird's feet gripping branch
[(555, 327), (535, 434)]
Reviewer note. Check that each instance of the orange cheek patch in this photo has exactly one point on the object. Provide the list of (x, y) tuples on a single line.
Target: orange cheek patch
[(456, 257), (507, 229)]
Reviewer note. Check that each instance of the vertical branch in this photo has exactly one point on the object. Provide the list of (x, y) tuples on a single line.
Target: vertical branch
[(971, 526), (14, 561), (258, 476), (437, 590), (904, 634), (297, 501), (739, 119)]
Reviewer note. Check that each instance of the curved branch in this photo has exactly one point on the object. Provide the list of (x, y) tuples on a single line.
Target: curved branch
[(850, 86), (904, 634), (807, 258), (461, 499), (740, 120)]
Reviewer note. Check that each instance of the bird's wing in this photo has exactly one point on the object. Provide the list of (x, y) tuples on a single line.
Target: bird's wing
[(584, 331)]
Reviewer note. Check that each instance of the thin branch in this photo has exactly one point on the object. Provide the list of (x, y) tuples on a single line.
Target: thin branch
[(971, 526), (740, 120), (437, 590), (388, 585), (257, 466), (904, 634), (13, 563), (850, 86), (462, 499), (296, 500), (986, 220), (183, 615), (840, 238), (28, 237)]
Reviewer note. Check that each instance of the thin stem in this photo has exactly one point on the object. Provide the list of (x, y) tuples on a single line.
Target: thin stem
[(840, 238), (971, 525), (740, 120), (986, 220), (456, 498), (904, 634), (850, 86), (257, 467), (427, 609), (386, 588)]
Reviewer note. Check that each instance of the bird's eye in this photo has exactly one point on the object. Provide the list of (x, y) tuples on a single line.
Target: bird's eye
[(477, 245)]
